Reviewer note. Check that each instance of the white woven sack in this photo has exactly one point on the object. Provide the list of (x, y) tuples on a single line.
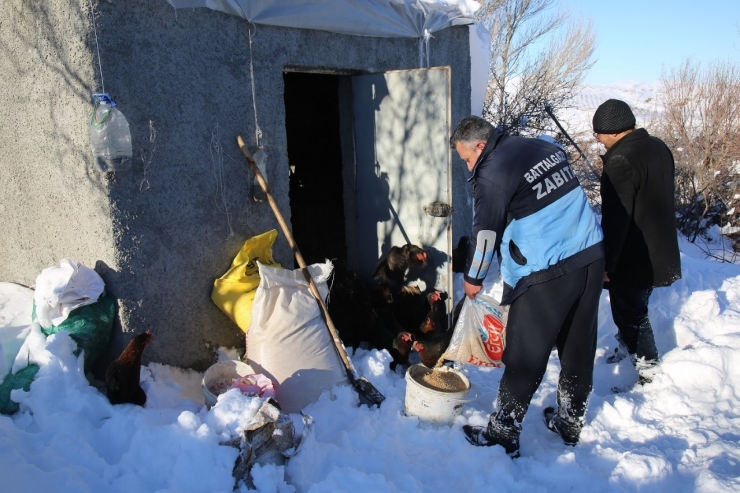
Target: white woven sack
[(288, 340), (480, 333), (59, 290)]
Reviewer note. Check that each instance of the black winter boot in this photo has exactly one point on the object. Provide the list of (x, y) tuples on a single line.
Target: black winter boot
[(568, 428), (500, 431), (647, 370), (620, 352)]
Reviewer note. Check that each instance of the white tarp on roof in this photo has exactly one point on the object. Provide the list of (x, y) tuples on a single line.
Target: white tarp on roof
[(383, 18)]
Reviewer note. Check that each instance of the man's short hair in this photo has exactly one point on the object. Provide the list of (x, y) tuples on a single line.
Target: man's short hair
[(471, 129)]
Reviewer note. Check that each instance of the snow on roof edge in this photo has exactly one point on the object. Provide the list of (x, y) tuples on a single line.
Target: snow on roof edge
[(380, 18)]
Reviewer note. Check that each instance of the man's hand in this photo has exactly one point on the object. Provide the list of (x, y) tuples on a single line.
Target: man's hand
[(606, 277), (470, 290)]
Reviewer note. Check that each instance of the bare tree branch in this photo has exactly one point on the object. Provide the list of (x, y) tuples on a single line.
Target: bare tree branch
[(701, 124), (523, 79)]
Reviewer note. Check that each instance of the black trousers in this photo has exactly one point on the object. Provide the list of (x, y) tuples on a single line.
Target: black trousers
[(630, 314), (562, 312)]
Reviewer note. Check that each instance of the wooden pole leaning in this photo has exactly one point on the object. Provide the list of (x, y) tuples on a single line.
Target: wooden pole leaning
[(369, 395)]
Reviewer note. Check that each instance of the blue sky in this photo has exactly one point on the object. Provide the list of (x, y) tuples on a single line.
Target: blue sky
[(636, 39)]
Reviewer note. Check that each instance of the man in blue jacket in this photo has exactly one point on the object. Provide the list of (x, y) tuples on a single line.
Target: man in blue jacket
[(552, 261)]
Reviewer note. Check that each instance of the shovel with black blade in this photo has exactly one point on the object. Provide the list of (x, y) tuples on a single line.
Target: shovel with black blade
[(369, 395)]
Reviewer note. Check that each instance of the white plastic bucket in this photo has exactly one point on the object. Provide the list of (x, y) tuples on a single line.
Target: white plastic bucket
[(223, 371), (436, 406)]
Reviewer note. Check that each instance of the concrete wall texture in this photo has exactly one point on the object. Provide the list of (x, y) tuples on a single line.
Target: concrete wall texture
[(161, 232)]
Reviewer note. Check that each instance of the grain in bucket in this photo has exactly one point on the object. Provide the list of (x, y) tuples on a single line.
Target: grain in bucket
[(436, 395)]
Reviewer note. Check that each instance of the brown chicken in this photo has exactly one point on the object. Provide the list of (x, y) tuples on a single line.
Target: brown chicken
[(401, 349), (392, 267), (122, 376), (435, 320), (431, 349), (434, 333)]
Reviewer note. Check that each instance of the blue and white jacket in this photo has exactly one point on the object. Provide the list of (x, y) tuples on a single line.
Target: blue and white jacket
[(526, 192)]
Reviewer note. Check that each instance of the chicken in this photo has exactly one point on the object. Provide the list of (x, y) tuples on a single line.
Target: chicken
[(392, 267), (400, 350), (434, 333), (122, 376), (435, 322), (409, 308), (389, 335), (432, 348), (363, 314), (414, 316)]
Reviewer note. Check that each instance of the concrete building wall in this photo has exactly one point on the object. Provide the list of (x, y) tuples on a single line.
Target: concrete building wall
[(54, 203), (162, 231)]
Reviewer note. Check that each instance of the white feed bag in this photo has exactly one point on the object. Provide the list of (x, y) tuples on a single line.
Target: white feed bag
[(288, 340)]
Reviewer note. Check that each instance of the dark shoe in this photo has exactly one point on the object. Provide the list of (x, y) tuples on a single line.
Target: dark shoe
[(644, 380), (480, 437), (647, 370), (620, 352), (569, 429), (623, 389), (476, 435)]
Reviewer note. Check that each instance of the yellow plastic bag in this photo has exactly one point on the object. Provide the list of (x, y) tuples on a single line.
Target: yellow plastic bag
[(234, 292)]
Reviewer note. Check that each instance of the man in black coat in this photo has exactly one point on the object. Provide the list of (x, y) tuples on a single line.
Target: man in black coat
[(639, 224)]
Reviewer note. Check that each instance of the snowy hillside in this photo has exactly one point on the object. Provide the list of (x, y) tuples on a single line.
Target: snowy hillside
[(643, 98)]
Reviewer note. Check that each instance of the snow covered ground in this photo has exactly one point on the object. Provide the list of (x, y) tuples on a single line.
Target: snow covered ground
[(679, 433)]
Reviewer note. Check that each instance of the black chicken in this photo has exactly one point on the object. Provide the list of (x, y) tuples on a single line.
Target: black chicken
[(410, 306), (435, 321)]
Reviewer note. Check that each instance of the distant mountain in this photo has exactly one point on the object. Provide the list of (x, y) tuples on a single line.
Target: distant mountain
[(643, 98)]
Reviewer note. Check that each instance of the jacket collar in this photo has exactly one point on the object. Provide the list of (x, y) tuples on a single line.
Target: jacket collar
[(638, 133), (493, 141)]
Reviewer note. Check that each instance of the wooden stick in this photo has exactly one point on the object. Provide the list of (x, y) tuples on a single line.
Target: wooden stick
[(301, 262)]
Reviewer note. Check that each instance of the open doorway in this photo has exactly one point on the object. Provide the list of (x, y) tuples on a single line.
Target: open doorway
[(313, 127)]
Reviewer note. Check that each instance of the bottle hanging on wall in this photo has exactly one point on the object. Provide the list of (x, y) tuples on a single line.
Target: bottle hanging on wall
[(110, 137)]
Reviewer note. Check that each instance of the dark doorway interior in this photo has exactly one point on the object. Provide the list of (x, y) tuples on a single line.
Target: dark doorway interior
[(315, 159)]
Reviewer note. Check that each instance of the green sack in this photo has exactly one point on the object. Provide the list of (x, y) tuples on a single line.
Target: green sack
[(90, 326), (20, 380)]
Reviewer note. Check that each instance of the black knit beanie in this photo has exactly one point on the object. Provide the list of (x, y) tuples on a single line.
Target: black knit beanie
[(613, 117)]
